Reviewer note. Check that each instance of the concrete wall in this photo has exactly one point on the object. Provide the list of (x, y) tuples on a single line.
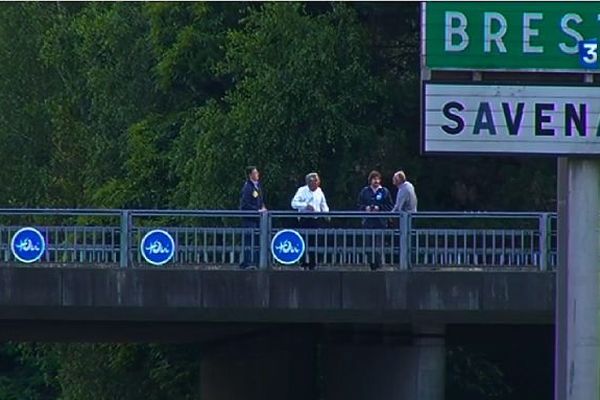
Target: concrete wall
[(176, 295)]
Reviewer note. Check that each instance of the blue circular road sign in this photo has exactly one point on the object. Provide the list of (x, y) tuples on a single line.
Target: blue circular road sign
[(28, 245), (157, 247), (287, 246)]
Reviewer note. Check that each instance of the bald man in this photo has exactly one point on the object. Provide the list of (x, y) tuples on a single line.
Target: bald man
[(406, 198)]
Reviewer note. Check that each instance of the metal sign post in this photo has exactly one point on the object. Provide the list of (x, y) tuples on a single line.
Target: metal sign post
[(560, 308), (578, 283)]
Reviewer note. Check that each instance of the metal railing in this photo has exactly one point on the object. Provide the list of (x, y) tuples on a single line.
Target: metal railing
[(496, 239), (218, 239)]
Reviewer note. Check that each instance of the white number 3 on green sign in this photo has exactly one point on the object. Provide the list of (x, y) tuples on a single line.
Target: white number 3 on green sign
[(588, 53)]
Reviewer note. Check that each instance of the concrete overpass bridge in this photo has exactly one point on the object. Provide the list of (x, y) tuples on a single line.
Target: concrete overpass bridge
[(438, 270)]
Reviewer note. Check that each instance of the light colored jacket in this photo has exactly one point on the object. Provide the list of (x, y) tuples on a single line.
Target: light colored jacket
[(304, 197), (406, 198)]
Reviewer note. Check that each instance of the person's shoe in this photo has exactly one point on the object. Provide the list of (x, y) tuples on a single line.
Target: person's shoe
[(247, 267), (374, 266), (307, 266)]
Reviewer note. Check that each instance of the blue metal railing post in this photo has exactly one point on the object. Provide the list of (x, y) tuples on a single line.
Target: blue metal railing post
[(265, 228), (404, 225), (544, 240), (125, 238)]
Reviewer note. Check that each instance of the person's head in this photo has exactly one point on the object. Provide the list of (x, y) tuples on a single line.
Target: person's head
[(252, 173), (312, 181), (374, 178), (399, 178)]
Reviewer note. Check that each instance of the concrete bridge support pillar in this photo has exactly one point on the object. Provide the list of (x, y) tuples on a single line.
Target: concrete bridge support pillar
[(386, 371), (578, 305), (430, 352), (298, 365)]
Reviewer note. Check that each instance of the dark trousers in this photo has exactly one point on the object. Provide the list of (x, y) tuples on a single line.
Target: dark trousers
[(310, 255), (251, 254), (373, 241)]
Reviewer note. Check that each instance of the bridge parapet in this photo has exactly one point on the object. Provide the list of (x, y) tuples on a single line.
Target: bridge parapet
[(217, 238), (163, 294)]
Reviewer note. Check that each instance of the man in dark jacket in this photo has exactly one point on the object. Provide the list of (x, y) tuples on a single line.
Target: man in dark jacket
[(251, 199), (374, 198)]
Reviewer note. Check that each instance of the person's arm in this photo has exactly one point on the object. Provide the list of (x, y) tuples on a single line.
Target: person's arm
[(299, 201), (387, 200), (395, 208), (362, 203), (401, 199), (414, 200)]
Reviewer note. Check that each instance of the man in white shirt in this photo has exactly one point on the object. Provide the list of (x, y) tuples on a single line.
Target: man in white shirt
[(406, 198), (310, 198)]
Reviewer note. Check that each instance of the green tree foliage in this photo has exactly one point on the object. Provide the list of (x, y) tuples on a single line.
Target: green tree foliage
[(157, 105), (106, 371), (473, 377), (285, 59), (21, 376), (132, 372), (187, 42), (116, 96), (102, 55), (25, 129)]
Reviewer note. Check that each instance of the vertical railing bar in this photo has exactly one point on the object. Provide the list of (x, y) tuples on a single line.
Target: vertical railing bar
[(427, 238), (104, 248), (73, 253), (326, 245), (445, 262), (264, 238), (196, 253), (214, 245), (94, 244), (405, 224), (205, 249), (467, 237), (522, 248), (223, 244), (124, 242), (354, 248), (59, 251), (543, 238), (484, 246), (185, 249), (494, 247), (335, 248)]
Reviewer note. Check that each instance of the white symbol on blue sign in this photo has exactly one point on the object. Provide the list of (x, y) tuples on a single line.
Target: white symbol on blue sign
[(28, 245), (157, 247), (588, 53), (287, 246)]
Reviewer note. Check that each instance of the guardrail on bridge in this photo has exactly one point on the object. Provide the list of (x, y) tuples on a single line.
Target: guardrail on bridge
[(218, 238)]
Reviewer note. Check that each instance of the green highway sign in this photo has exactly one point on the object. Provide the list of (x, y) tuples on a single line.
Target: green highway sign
[(553, 36)]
